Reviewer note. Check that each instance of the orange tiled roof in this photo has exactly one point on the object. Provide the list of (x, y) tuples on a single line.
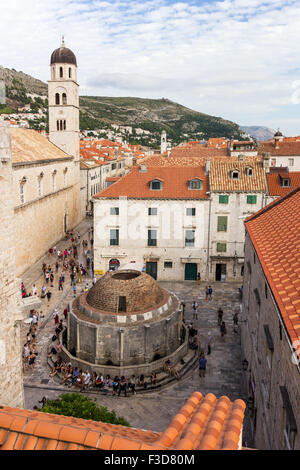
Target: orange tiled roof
[(175, 184), (274, 186), (275, 234), (199, 151), (203, 423), (284, 148), (30, 146), (220, 179)]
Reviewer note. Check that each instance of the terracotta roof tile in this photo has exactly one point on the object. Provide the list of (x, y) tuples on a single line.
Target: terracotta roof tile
[(202, 423), (220, 179), (30, 146), (274, 228), (175, 184), (283, 149), (275, 187)]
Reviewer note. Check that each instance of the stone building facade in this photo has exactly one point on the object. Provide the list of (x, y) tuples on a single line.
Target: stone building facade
[(165, 230), (11, 389), (238, 188), (271, 323), (46, 203)]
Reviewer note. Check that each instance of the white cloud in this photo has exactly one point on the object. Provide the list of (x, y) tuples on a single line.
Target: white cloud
[(232, 58)]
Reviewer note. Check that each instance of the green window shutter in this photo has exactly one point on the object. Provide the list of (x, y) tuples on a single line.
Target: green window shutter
[(221, 247), (222, 223), (251, 199), (223, 199)]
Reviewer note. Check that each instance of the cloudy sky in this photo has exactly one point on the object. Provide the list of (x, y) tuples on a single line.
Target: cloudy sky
[(239, 59)]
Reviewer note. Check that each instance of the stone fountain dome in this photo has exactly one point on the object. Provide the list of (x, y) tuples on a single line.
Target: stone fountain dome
[(137, 290)]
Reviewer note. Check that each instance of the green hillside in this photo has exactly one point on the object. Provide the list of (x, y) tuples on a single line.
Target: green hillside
[(156, 116)]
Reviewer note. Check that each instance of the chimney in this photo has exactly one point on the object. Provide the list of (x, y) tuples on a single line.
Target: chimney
[(207, 167), (143, 168), (266, 161)]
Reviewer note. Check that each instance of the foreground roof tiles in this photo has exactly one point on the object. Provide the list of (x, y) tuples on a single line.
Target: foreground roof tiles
[(136, 184), (275, 234), (203, 423), (30, 146)]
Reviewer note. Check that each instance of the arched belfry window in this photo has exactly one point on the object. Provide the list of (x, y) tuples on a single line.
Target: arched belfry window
[(65, 125), (61, 72), (57, 125), (70, 72), (64, 98), (57, 98)]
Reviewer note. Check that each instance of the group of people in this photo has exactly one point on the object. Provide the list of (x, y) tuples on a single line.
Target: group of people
[(67, 261), (193, 332), (30, 350), (84, 380)]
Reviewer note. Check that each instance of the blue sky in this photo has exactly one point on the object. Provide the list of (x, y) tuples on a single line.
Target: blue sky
[(232, 58)]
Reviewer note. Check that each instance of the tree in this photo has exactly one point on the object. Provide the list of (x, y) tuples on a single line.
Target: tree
[(79, 406)]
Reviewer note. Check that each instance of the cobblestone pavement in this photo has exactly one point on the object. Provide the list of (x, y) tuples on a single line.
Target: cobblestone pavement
[(59, 299), (224, 374)]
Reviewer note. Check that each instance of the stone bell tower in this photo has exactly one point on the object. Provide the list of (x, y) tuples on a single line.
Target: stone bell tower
[(11, 388), (63, 92), (64, 101), (163, 145)]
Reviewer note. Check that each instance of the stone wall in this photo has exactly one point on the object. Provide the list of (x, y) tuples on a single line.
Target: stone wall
[(268, 369), (11, 389), (140, 342)]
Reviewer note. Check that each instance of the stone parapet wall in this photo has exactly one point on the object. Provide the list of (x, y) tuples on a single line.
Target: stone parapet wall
[(11, 388), (127, 371)]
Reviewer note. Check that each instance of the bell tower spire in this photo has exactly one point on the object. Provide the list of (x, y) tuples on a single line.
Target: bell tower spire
[(64, 101)]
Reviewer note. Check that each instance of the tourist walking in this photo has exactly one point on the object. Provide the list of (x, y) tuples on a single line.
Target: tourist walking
[(208, 343), (223, 329), (202, 366), (220, 316), (206, 293), (210, 291), (195, 309)]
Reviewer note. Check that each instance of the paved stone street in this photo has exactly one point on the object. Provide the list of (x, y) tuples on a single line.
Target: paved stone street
[(155, 411)]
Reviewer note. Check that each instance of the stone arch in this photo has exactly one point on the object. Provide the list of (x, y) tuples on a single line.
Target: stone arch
[(64, 98), (57, 98)]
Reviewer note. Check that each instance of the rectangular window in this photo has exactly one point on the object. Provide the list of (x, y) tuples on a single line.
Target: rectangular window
[(168, 264), (152, 237), (152, 211), (39, 187), (114, 237), (251, 199), (114, 211), (221, 247), (22, 193), (156, 185), (222, 223), (113, 166), (190, 238), (223, 199), (191, 211), (291, 162)]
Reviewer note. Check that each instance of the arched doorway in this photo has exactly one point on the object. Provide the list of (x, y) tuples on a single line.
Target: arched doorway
[(114, 264)]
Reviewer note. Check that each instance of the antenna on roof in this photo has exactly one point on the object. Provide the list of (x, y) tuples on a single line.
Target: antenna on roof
[(63, 41)]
